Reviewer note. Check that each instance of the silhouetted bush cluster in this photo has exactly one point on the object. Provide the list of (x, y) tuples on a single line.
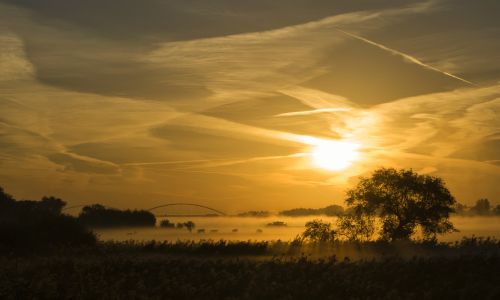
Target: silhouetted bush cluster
[(189, 225), (276, 224), (167, 224), (26, 224), (255, 214), (99, 216)]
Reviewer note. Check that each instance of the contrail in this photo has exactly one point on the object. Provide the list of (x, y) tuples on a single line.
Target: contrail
[(252, 159), (314, 111), (214, 162), (405, 56), (173, 162)]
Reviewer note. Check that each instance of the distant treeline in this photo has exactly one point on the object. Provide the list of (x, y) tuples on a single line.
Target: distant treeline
[(331, 210), (99, 216), (482, 207), (255, 214)]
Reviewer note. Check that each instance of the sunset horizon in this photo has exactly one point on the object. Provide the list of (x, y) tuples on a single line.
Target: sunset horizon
[(249, 149)]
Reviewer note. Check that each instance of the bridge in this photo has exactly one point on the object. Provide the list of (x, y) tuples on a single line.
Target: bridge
[(216, 211)]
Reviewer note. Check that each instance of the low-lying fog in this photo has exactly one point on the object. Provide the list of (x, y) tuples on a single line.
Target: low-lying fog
[(247, 228)]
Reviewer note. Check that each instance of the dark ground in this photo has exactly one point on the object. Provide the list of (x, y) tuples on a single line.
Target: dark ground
[(470, 270)]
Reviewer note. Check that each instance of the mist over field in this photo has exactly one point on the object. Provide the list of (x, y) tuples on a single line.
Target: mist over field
[(247, 229)]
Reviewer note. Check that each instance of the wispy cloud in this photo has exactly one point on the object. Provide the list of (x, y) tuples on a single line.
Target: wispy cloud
[(80, 104)]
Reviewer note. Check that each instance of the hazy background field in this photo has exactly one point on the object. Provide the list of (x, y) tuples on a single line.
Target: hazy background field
[(247, 229)]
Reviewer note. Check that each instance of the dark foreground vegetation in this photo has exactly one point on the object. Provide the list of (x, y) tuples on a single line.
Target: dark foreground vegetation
[(245, 270), (27, 225)]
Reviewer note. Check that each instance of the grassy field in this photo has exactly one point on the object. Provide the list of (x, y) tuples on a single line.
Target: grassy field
[(249, 270)]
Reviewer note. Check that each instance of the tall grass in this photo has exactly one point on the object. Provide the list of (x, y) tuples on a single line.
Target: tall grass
[(122, 276)]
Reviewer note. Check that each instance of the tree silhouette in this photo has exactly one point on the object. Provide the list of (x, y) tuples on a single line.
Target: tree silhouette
[(403, 200), (496, 210), (460, 209), (482, 207), (356, 227), (6, 200), (319, 231), (189, 225), (52, 204)]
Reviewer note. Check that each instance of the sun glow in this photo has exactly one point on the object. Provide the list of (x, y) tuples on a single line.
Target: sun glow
[(334, 155)]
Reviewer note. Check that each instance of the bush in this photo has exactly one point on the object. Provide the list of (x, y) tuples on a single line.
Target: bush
[(167, 224)]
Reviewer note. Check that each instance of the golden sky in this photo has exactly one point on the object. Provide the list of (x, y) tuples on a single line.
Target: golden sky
[(245, 104)]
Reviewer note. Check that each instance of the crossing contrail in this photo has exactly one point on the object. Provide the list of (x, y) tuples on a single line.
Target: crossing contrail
[(314, 111), (405, 56)]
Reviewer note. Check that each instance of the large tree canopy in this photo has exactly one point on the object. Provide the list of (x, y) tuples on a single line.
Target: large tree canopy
[(404, 201)]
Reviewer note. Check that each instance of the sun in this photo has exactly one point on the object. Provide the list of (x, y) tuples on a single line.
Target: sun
[(334, 155)]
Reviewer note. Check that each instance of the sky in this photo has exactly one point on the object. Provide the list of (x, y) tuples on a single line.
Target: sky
[(245, 105)]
